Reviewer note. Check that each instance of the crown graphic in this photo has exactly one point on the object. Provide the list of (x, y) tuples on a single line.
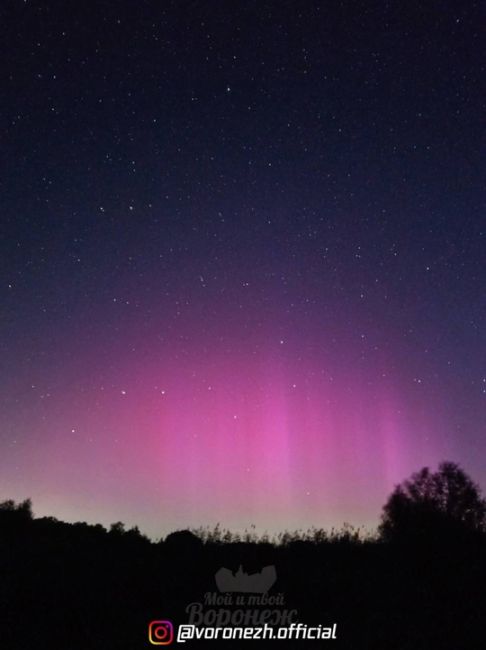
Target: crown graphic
[(258, 583)]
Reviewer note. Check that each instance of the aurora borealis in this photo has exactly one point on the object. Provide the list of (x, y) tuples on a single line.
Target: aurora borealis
[(242, 259)]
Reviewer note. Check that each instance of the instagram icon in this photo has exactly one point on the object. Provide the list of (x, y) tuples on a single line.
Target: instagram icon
[(161, 632)]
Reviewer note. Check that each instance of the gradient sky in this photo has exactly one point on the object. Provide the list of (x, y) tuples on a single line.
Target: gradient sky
[(242, 257)]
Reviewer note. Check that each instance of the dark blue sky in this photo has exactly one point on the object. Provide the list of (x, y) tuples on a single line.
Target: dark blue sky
[(209, 179)]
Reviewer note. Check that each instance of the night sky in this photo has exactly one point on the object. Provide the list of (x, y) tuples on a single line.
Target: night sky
[(243, 257)]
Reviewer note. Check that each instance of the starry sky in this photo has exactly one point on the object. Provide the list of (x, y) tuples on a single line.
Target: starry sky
[(242, 255)]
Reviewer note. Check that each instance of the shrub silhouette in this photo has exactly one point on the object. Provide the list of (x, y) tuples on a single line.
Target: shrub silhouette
[(437, 506), (184, 541)]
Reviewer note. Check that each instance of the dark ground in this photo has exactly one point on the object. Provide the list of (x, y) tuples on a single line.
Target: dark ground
[(77, 587)]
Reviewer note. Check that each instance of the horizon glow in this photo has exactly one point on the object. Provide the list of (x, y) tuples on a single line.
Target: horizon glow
[(192, 437)]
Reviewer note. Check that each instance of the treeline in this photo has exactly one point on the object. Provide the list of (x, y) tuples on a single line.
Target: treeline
[(417, 584)]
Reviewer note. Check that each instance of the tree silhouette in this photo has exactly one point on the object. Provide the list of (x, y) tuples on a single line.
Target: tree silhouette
[(118, 528), (434, 505), (15, 515)]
